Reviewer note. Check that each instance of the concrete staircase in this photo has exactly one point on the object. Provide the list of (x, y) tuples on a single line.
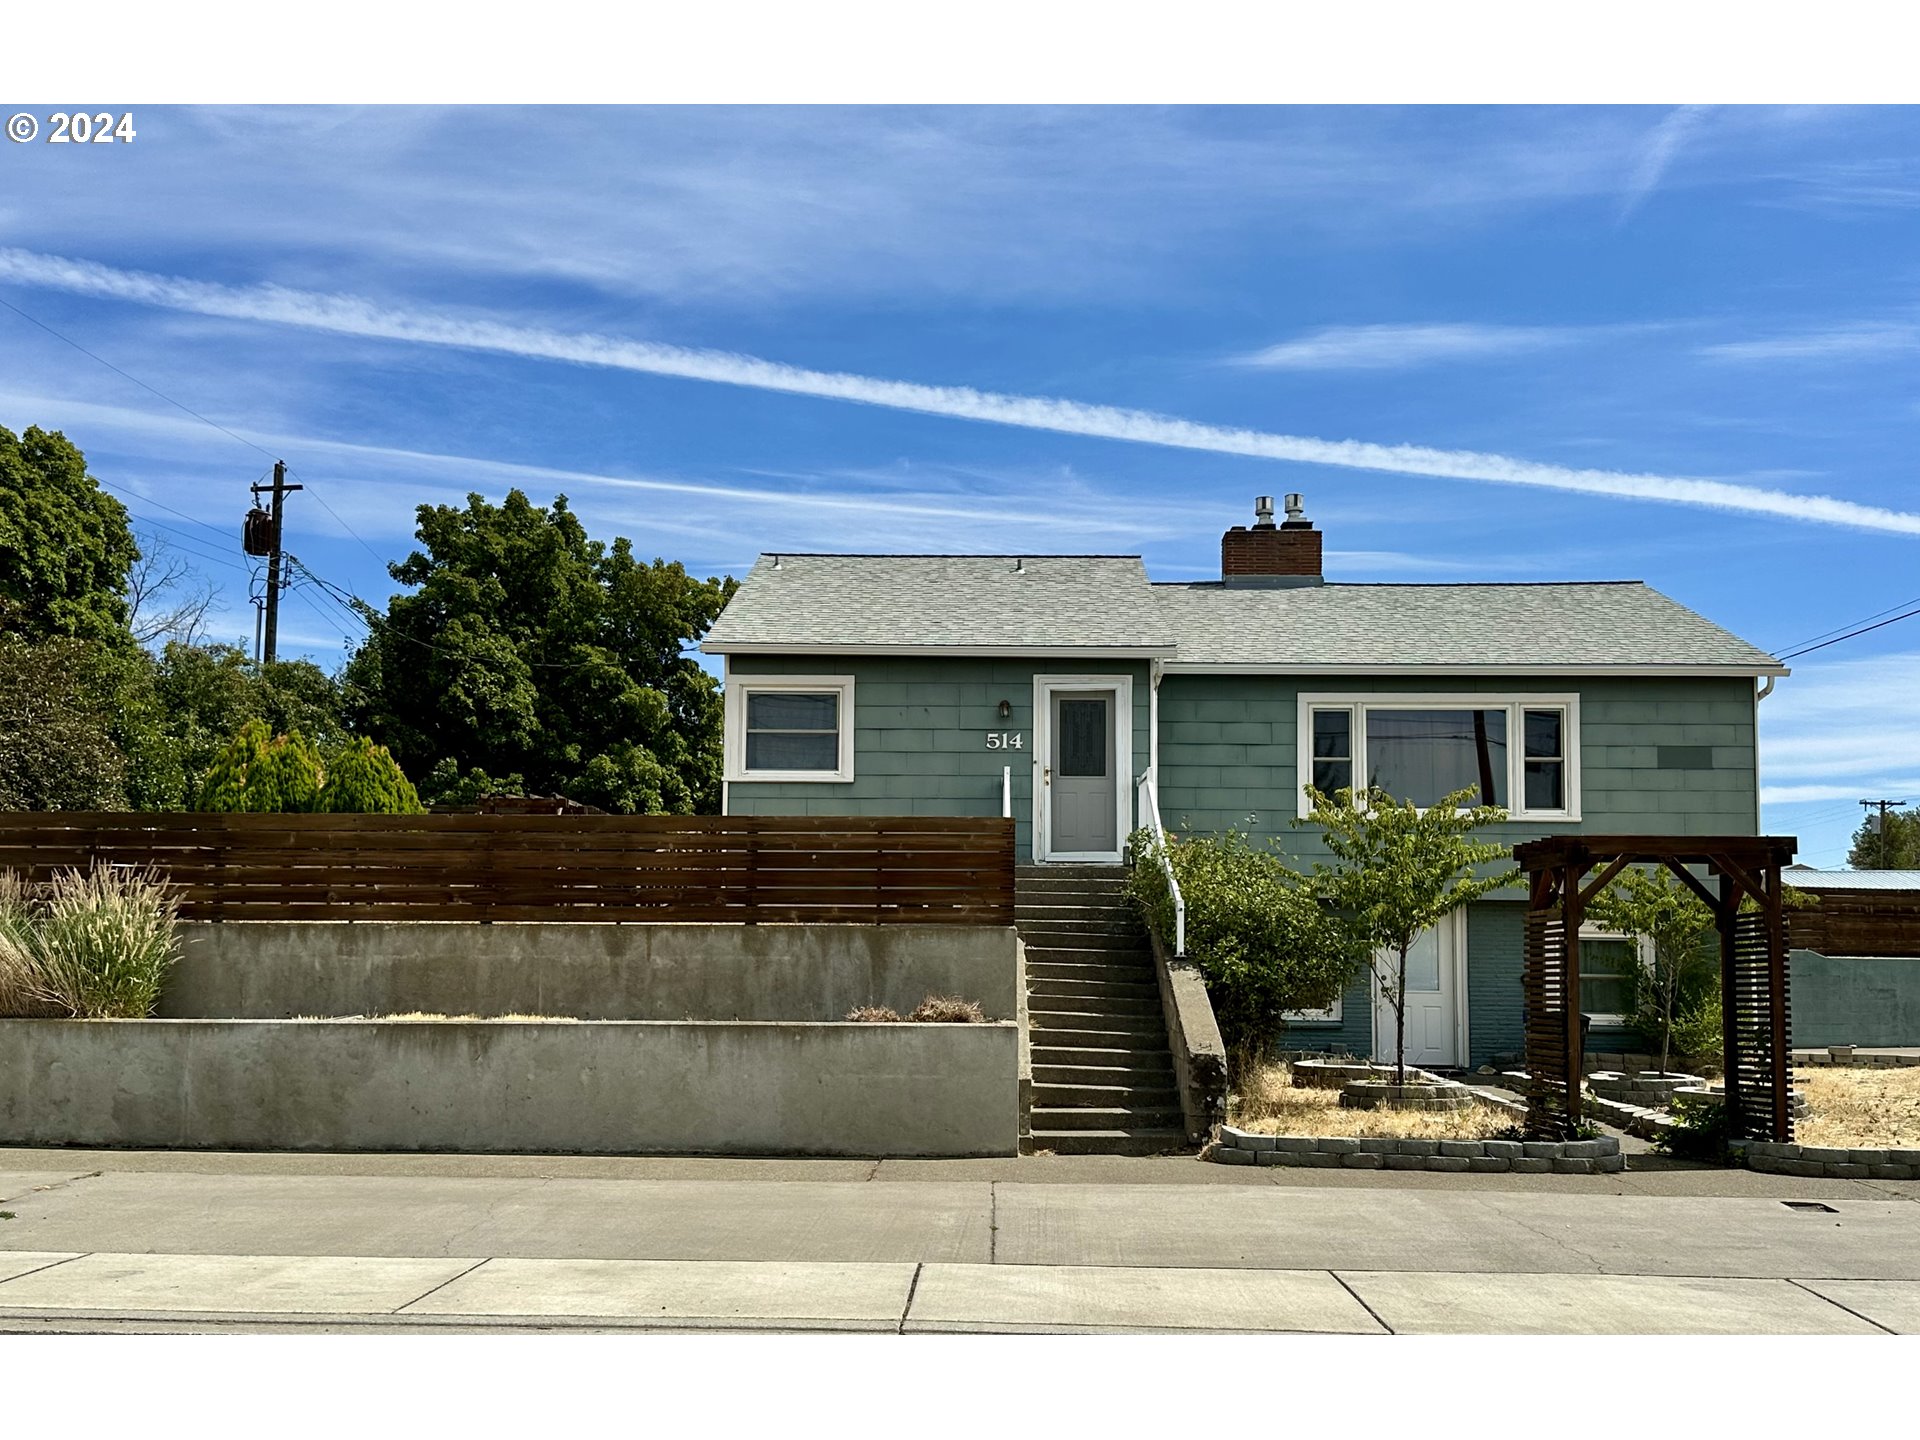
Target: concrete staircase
[(1102, 1076)]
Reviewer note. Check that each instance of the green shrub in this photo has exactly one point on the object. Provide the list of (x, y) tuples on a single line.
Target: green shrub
[(1697, 1032), (92, 944), (1261, 941), (262, 773), (1699, 1128), (364, 779)]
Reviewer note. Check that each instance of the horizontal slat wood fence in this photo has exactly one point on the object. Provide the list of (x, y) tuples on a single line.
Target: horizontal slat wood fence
[(861, 870), (1858, 923)]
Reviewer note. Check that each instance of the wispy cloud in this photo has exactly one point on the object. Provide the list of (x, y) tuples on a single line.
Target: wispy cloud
[(1866, 340), (1650, 166), (1396, 347), (351, 315), (1841, 730)]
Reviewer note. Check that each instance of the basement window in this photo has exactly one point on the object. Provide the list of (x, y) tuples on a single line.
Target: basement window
[(792, 728)]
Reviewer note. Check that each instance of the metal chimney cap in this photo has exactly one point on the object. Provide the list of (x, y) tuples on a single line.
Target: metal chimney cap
[(1263, 511), (1295, 510)]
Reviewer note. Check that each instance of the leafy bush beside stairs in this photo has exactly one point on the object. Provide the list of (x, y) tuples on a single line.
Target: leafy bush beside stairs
[(1260, 938)]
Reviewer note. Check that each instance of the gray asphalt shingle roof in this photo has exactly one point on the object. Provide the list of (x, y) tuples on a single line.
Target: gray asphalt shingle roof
[(1594, 624), (972, 602), (1105, 602)]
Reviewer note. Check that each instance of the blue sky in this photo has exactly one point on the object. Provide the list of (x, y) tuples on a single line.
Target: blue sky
[(1675, 345)]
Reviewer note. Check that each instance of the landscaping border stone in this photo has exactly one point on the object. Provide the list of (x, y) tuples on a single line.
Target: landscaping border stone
[(1583, 1157), (1786, 1157)]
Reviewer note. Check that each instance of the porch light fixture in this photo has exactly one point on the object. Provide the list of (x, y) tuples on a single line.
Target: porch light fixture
[(1006, 709)]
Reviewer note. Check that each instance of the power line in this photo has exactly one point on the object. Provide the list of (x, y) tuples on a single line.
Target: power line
[(134, 378), (375, 621), (1862, 630), (188, 409), (1861, 621)]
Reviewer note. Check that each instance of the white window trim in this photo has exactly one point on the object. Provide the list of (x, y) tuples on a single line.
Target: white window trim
[(1329, 1016), (1644, 945), (734, 739), (1513, 702)]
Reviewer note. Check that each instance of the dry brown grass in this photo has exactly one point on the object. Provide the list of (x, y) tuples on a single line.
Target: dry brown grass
[(873, 1015), (435, 1017), (1268, 1102), (1863, 1108), (948, 1010)]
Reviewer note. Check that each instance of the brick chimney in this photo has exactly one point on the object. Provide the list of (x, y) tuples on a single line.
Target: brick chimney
[(1272, 555)]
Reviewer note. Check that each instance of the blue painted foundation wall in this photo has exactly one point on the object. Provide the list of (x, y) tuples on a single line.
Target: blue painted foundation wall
[(1855, 1000)]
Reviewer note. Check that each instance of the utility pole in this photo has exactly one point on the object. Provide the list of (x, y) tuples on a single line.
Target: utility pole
[(1880, 829), (262, 537)]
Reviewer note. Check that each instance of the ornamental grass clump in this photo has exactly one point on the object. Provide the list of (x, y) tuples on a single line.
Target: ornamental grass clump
[(88, 945), (873, 1015)]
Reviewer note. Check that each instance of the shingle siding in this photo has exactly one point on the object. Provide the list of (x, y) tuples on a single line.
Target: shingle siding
[(1209, 784), (919, 737)]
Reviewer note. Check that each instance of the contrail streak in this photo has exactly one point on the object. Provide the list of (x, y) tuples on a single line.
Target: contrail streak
[(350, 315)]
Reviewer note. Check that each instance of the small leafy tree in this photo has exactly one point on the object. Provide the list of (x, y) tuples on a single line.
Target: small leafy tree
[(1399, 872), (1656, 907), (1261, 939)]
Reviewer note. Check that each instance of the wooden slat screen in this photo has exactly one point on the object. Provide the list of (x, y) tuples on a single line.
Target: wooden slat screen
[(1545, 995), (1754, 1066), (863, 870)]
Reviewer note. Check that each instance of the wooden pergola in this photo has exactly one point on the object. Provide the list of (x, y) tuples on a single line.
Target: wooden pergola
[(1753, 966)]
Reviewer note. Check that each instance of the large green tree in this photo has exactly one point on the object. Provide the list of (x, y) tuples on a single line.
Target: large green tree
[(1895, 848), (208, 693), (528, 656), (65, 545)]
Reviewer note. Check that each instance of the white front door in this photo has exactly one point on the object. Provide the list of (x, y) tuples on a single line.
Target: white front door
[(1433, 1000), (1084, 778), (1082, 766)]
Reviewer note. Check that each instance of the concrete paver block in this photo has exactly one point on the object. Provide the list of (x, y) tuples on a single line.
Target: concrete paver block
[(22, 1262), (1413, 1303), (237, 1284), (1031, 1297), (1894, 1304), (758, 1293)]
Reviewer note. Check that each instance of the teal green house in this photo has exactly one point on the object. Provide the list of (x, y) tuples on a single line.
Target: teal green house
[(1079, 696)]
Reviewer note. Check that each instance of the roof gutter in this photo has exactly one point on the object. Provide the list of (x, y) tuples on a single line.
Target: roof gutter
[(1725, 672), (989, 652)]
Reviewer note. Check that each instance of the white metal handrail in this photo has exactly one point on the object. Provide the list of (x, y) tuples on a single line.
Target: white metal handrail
[(1006, 792), (1150, 818)]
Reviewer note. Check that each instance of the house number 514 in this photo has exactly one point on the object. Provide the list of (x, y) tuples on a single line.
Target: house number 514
[(1006, 740)]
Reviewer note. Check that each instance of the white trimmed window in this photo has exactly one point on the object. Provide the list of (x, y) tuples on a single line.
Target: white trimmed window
[(1520, 752), (790, 727), (1611, 966)]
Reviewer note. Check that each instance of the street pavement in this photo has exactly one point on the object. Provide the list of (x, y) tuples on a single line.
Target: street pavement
[(207, 1242)]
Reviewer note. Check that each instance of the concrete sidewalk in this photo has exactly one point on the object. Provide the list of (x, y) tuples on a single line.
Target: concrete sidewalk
[(261, 1242), (104, 1292)]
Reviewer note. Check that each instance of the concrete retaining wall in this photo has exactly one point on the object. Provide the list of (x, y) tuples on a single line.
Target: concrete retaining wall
[(1540, 1157), (1193, 1039), (288, 969), (609, 1087)]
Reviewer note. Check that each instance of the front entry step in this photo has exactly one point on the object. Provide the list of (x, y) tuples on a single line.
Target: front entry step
[(1103, 1075)]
